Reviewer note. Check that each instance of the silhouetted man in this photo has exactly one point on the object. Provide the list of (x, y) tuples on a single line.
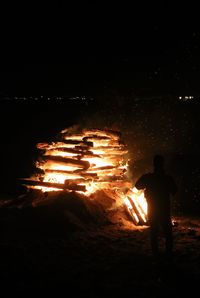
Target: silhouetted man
[(158, 187)]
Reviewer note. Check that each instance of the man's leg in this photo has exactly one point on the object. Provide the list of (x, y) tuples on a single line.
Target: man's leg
[(167, 228), (154, 238)]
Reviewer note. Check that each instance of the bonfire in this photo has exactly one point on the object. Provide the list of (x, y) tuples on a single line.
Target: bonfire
[(86, 161)]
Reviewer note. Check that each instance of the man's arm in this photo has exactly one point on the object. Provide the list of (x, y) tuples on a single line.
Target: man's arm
[(141, 182)]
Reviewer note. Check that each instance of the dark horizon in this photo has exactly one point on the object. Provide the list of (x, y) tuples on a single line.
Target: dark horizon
[(160, 55), (152, 48), (123, 75)]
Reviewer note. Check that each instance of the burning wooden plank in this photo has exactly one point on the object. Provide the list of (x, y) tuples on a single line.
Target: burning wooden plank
[(68, 161), (65, 186), (65, 144), (71, 136), (97, 137), (76, 142), (101, 141), (71, 150), (75, 174), (136, 210), (104, 168), (106, 132), (52, 145), (131, 211)]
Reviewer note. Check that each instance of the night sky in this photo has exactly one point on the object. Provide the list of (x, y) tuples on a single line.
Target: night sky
[(155, 53)]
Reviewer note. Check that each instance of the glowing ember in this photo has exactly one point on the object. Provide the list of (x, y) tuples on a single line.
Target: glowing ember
[(86, 161)]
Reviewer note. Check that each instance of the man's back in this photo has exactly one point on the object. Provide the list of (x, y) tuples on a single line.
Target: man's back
[(158, 188)]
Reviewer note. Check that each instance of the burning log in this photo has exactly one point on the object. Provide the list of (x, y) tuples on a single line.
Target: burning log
[(96, 169), (71, 150), (109, 160), (44, 146), (110, 172), (71, 136), (65, 186), (102, 141), (80, 143), (68, 161), (65, 143), (83, 174), (96, 137), (116, 154), (106, 132), (107, 148)]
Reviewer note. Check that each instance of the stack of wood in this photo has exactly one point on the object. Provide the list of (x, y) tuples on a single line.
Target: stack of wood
[(85, 161)]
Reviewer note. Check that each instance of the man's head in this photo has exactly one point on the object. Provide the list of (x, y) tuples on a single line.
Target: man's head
[(158, 162)]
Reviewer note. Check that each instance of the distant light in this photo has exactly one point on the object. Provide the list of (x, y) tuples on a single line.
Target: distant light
[(186, 98)]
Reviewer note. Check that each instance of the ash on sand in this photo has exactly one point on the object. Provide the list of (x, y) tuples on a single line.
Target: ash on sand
[(87, 247)]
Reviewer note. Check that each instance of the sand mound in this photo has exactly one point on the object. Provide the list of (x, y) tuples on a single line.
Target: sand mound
[(63, 211)]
